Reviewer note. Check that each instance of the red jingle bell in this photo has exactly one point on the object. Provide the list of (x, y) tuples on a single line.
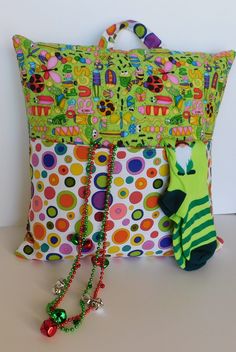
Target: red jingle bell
[(48, 328), (88, 245)]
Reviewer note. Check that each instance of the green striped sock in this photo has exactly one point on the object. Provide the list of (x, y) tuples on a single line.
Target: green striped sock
[(187, 203)]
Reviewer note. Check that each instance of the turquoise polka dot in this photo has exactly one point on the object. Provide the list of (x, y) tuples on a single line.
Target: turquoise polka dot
[(129, 179), (44, 174), (126, 248), (44, 247)]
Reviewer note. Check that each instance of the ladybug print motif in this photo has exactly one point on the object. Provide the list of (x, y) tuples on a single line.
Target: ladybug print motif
[(36, 84), (154, 84)]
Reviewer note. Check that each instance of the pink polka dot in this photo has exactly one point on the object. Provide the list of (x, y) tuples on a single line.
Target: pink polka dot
[(37, 203), (117, 167), (118, 211), (148, 245), (35, 160), (42, 216), (65, 248), (126, 222)]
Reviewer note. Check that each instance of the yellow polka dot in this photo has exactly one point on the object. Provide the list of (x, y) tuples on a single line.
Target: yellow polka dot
[(155, 214), (118, 181), (36, 245), (37, 174), (83, 180), (113, 249), (69, 257), (164, 170), (131, 207), (119, 254), (149, 253), (76, 169), (90, 210), (70, 215), (39, 255), (45, 202)]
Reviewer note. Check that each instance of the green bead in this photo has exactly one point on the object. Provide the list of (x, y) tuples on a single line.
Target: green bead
[(106, 263), (76, 322), (100, 236), (90, 285), (59, 315), (75, 239)]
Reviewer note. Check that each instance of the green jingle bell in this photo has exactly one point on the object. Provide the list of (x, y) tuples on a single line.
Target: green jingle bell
[(75, 239), (59, 315)]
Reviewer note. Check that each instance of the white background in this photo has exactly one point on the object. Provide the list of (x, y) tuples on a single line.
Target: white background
[(204, 25)]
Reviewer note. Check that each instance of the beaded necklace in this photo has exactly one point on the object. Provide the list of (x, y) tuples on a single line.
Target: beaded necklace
[(57, 316)]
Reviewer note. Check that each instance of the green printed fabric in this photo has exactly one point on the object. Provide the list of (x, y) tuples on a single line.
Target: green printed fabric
[(140, 97)]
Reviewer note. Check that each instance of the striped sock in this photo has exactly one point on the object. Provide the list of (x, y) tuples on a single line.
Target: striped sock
[(187, 203)]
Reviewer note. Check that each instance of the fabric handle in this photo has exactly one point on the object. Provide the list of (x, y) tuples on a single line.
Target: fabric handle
[(149, 39)]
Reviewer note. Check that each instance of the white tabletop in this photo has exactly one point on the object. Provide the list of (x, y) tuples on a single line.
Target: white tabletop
[(149, 303)]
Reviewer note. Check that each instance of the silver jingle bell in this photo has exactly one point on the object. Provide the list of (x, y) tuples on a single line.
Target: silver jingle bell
[(97, 303), (59, 286), (87, 299), (92, 302)]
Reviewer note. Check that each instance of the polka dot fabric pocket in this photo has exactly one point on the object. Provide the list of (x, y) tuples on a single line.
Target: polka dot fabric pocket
[(136, 225)]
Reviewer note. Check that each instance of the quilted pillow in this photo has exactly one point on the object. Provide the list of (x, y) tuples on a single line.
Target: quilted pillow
[(135, 99)]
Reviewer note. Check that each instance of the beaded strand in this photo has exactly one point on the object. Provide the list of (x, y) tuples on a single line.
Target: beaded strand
[(58, 317)]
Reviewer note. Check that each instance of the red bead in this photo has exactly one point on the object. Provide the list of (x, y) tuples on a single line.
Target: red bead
[(100, 261), (102, 285), (48, 328)]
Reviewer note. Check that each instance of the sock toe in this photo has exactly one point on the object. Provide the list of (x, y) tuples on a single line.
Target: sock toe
[(200, 255)]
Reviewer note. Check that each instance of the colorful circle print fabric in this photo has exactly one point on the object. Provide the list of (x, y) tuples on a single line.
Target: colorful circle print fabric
[(75, 95), (136, 226)]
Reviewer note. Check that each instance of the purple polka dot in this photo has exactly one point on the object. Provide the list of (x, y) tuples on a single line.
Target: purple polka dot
[(135, 165), (117, 167), (98, 200), (49, 160), (148, 245), (35, 160), (42, 216), (126, 222), (65, 248)]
